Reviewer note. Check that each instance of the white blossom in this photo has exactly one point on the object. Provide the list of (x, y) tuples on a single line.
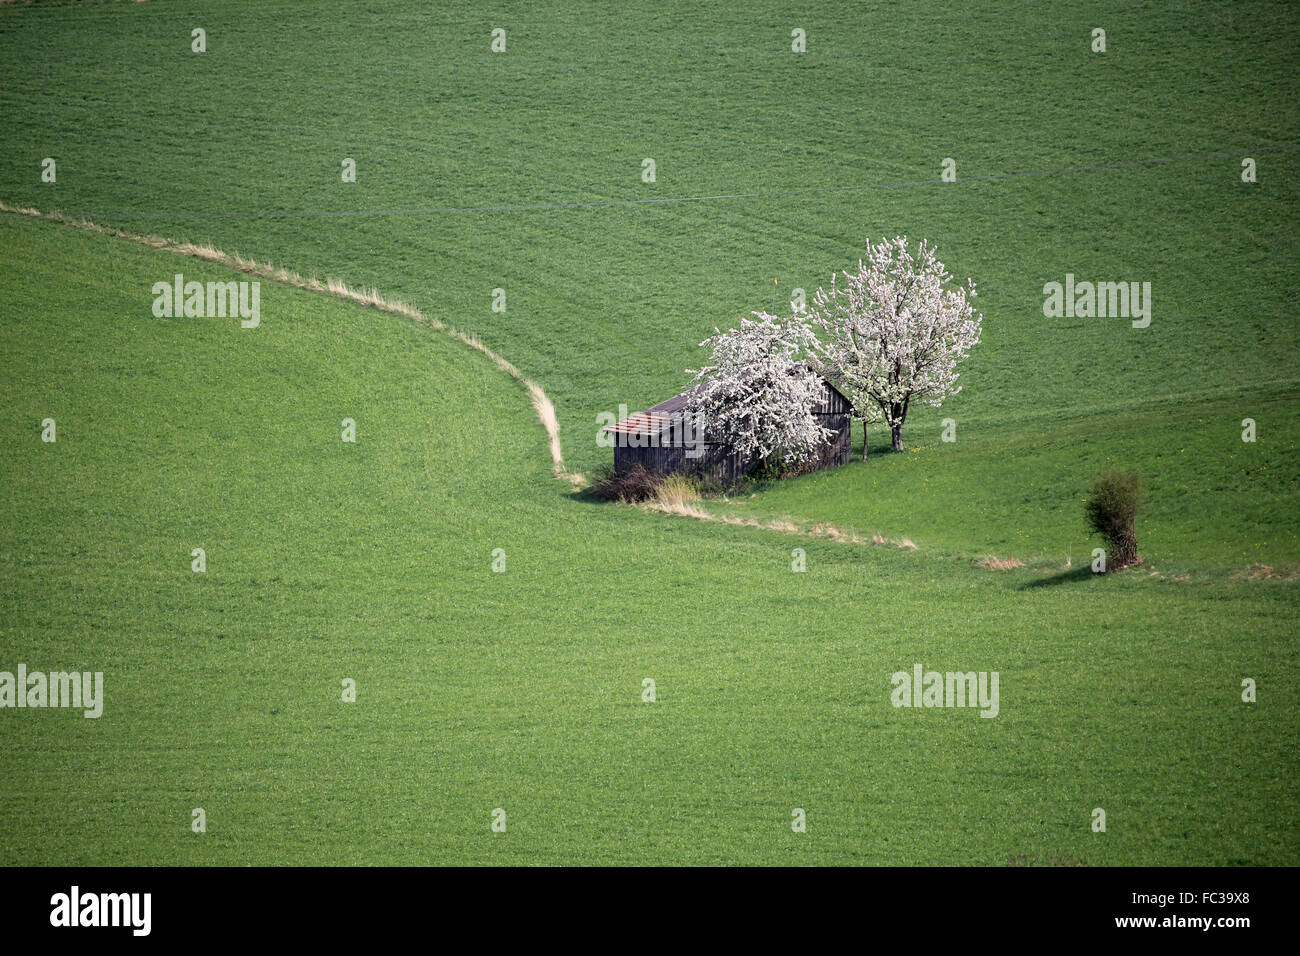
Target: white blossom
[(758, 394), (893, 332)]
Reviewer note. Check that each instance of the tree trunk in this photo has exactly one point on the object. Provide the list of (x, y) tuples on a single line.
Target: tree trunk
[(864, 439), (897, 432)]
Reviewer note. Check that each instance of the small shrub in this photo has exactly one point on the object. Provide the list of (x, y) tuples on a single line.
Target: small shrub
[(634, 484), (1111, 511)]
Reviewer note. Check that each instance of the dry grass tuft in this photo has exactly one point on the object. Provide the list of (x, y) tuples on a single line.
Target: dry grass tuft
[(785, 527), (684, 509), (992, 563), (675, 492), (823, 530), (1266, 572)]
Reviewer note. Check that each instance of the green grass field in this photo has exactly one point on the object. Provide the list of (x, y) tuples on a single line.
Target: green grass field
[(522, 690)]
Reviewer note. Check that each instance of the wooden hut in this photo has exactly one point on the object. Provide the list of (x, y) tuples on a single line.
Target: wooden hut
[(662, 439)]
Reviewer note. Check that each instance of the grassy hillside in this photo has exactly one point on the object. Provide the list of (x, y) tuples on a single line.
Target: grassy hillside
[(521, 690), (605, 305), (1212, 502)]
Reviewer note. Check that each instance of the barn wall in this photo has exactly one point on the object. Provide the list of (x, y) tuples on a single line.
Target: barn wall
[(839, 448), (719, 464), (832, 403), (715, 463)]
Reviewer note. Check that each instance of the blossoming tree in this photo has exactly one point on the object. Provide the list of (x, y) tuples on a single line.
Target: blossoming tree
[(893, 333), (757, 395)]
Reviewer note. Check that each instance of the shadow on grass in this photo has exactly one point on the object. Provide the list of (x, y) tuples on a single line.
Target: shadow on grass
[(752, 484), (1073, 576), (884, 450)]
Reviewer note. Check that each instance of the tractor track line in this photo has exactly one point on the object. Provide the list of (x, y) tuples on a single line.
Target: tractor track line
[(774, 194)]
